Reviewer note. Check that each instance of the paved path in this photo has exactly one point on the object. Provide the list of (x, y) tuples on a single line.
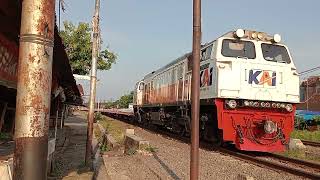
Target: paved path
[(71, 147)]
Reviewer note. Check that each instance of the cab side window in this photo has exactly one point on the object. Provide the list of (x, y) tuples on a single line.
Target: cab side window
[(206, 53)]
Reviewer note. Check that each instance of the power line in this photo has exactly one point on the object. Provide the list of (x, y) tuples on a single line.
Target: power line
[(309, 70)]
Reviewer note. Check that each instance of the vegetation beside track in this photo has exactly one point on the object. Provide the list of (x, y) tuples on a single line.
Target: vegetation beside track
[(306, 135), (113, 127), (301, 154)]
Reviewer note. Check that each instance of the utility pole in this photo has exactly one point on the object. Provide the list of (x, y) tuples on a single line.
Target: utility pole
[(93, 80), (195, 92), (34, 90)]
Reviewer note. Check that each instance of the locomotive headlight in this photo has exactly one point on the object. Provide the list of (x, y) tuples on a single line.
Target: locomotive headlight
[(276, 38), (260, 36), (251, 103), (239, 33), (267, 104), (289, 107), (254, 35), (231, 103), (269, 127), (246, 103)]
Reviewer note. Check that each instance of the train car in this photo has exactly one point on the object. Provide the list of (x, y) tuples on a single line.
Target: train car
[(248, 92)]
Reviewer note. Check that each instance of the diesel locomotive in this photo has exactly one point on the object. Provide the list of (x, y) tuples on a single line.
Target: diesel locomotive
[(249, 89)]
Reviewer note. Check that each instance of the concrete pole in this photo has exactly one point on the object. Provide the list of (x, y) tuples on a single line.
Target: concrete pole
[(34, 90), (93, 80), (195, 93)]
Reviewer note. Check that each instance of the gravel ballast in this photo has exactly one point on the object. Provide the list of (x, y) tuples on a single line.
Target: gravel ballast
[(172, 157)]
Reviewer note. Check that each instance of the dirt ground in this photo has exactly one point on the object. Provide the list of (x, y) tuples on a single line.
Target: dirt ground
[(70, 150)]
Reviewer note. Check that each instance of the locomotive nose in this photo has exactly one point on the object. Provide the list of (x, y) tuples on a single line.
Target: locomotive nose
[(270, 127)]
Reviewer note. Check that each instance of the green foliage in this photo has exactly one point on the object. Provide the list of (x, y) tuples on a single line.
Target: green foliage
[(5, 136), (299, 123), (151, 149), (77, 40), (113, 128), (132, 151), (98, 116), (306, 135), (123, 102), (300, 154), (316, 119), (105, 148)]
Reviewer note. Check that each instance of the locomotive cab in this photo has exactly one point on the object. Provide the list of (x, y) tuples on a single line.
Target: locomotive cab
[(258, 66), (257, 89)]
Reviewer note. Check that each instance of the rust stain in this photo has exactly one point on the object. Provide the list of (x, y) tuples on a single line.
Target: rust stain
[(31, 58), (44, 25)]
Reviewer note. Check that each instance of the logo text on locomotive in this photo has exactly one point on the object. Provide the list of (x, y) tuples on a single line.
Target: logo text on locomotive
[(262, 77), (206, 75)]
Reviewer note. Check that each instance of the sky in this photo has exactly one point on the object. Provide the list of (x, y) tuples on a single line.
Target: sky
[(148, 34)]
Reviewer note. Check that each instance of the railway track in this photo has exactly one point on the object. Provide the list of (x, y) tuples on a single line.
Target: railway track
[(268, 160), (289, 165), (311, 143)]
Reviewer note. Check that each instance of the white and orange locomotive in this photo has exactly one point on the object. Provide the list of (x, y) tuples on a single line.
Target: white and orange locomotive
[(248, 91)]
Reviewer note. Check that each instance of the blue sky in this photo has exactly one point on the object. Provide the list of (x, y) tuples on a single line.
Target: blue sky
[(147, 34)]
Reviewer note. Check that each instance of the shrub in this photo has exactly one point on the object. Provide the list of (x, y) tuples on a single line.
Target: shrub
[(299, 123), (98, 116), (316, 120), (132, 151), (105, 148)]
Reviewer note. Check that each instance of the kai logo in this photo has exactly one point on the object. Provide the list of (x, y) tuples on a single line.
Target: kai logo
[(206, 75), (261, 77)]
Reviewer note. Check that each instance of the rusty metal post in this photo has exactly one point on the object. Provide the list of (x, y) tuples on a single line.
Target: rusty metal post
[(195, 93), (93, 80), (62, 117), (34, 89), (56, 124), (3, 113)]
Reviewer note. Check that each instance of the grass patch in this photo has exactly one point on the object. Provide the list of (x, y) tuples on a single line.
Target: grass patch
[(151, 149), (131, 151), (306, 135), (98, 116), (97, 132), (300, 154), (114, 128)]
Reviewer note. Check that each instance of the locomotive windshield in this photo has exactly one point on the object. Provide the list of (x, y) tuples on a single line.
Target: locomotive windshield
[(276, 53), (238, 49)]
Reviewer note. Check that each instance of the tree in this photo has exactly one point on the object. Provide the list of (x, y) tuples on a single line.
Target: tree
[(123, 102), (77, 40)]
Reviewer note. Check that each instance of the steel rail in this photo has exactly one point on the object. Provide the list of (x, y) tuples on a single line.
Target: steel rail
[(311, 143), (296, 161), (269, 164)]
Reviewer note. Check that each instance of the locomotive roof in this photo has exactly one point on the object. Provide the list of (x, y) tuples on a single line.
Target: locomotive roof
[(181, 58), (168, 65)]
